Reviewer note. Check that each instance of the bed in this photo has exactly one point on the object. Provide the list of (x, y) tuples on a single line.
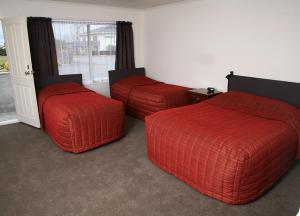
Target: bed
[(233, 147), (141, 95), (76, 118)]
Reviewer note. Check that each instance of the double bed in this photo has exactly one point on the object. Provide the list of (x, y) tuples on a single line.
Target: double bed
[(234, 146), (143, 96), (76, 118)]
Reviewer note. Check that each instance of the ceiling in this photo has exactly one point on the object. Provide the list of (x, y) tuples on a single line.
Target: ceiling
[(138, 4)]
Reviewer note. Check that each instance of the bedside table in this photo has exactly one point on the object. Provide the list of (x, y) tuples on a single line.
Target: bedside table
[(198, 95)]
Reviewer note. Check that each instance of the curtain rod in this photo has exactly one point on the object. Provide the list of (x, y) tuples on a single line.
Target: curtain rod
[(83, 21)]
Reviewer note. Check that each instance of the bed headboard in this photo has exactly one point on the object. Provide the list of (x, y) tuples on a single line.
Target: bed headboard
[(115, 75), (42, 82), (281, 90)]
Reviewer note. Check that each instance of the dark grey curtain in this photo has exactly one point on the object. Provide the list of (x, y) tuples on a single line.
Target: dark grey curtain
[(42, 46), (125, 47)]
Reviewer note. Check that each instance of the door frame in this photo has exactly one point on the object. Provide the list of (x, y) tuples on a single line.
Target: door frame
[(14, 120)]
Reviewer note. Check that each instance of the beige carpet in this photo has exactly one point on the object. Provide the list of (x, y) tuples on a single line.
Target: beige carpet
[(38, 179)]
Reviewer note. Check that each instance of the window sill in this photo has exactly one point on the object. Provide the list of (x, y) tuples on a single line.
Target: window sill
[(96, 82)]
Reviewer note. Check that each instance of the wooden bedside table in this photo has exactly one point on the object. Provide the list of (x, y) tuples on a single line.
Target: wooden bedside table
[(198, 95)]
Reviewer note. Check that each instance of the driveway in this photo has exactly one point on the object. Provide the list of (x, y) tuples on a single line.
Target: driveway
[(7, 104)]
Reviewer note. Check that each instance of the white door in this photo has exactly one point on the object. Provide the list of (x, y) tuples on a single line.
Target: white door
[(18, 52)]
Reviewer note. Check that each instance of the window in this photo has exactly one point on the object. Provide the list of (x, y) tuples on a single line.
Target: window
[(3, 56), (88, 48)]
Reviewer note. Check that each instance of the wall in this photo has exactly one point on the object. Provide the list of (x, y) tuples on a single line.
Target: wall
[(198, 42), (64, 10)]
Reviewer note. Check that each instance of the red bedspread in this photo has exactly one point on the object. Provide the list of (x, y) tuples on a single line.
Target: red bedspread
[(143, 96), (78, 119), (232, 147)]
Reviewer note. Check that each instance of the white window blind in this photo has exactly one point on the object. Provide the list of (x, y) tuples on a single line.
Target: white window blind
[(85, 47)]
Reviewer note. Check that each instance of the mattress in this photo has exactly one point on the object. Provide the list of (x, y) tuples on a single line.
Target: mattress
[(78, 119), (142, 96), (232, 147)]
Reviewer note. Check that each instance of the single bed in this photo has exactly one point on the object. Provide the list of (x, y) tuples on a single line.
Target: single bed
[(141, 95), (234, 146), (76, 118)]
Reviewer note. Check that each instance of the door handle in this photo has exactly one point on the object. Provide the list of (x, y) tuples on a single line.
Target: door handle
[(27, 73)]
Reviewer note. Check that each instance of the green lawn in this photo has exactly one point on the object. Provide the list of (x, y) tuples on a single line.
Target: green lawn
[(3, 59), (3, 63)]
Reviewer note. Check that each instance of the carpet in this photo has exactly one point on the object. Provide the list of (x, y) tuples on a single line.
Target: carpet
[(37, 178)]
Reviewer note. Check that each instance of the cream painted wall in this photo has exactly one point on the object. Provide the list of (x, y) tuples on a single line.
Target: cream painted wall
[(61, 10), (198, 42)]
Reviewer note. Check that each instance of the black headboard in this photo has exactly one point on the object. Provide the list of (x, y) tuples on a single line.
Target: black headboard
[(281, 90), (42, 82), (115, 75)]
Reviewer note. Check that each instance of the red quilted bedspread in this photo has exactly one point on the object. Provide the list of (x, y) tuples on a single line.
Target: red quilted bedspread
[(143, 96), (232, 147), (78, 119)]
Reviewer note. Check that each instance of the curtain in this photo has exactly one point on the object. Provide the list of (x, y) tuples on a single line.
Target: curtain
[(42, 46), (125, 47)]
